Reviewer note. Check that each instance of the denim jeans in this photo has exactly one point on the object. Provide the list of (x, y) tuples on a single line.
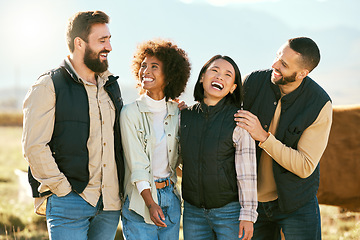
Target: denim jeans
[(71, 217), (302, 224), (216, 223), (135, 228)]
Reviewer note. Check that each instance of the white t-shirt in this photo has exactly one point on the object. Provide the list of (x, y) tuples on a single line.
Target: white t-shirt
[(160, 163)]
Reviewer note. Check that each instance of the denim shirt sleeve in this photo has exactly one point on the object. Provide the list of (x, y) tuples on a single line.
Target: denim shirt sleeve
[(135, 142)]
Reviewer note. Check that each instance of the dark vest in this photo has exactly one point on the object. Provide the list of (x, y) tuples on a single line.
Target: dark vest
[(299, 109), (72, 126), (208, 154)]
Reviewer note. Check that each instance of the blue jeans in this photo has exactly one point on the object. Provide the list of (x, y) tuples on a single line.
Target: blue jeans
[(216, 223), (135, 228), (71, 217), (301, 224)]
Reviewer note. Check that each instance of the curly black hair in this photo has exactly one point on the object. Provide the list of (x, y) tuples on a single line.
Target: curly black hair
[(176, 65)]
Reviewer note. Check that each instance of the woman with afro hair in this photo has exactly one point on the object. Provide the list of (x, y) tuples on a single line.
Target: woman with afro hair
[(149, 129)]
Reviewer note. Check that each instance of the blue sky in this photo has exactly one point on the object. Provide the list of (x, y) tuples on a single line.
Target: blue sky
[(249, 31)]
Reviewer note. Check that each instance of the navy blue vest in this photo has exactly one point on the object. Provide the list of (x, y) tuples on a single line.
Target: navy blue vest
[(299, 109), (208, 154), (72, 126)]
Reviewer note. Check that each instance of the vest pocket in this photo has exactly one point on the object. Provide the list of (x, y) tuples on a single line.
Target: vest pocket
[(112, 107)]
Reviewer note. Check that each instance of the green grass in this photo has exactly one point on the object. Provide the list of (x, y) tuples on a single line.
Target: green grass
[(18, 220)]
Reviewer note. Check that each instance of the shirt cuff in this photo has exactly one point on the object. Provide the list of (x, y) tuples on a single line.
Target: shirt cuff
[(267, 142), (248, 215), (62, 189), (142, 185)]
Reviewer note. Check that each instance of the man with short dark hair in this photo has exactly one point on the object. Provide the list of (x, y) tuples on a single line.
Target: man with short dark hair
[(289, 115), (71, 137)]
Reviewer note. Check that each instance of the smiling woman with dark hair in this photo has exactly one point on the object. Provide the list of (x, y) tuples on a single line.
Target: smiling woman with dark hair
[(175, 65), (149, 129), (219, 163)]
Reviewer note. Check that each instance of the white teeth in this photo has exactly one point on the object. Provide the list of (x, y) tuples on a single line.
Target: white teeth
[(277, 73), (148, 79), (217, 85)]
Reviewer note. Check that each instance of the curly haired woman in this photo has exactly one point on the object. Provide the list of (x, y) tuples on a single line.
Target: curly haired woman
[(149, 128)]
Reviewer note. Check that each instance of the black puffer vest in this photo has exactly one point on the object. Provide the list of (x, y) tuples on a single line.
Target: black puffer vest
[(208, 154), (71, 129), (299, 109)]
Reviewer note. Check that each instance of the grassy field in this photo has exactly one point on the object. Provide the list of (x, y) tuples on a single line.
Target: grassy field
[(17, 220)]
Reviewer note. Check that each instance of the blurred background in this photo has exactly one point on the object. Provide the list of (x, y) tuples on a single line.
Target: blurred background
[(249, 31), (32, 34)]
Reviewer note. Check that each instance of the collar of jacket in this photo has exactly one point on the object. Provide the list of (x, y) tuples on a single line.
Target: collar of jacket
[(212, 109), (66, 65), (170, 105)]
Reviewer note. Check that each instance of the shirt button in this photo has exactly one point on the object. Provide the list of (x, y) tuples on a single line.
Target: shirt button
[(104, 144), (275, 103), (169, 135), (170, 150), (104, 165), (166, 123), (265, 126), (103, 122)]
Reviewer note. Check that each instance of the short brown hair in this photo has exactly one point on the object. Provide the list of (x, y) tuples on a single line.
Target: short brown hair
[(80, 25), (176, 66)]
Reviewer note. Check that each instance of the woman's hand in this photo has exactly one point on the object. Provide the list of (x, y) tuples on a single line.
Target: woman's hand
[(246, 230), (156, 213)]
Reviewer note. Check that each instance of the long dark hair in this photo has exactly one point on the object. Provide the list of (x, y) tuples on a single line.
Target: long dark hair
[(236, 97)]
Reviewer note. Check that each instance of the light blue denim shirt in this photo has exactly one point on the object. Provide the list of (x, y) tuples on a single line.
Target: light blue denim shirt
[(138, 139)]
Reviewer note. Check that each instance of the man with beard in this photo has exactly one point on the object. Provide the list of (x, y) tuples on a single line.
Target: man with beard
[(71, 137), (289, 115)]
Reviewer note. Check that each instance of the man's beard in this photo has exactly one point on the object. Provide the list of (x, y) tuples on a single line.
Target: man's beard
[(92, 61), (286, 80)]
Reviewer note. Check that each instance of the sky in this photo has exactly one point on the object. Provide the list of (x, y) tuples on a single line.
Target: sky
[(250, 31)]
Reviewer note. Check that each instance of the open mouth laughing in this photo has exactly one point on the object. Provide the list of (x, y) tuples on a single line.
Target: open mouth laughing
[(147, 79), (217, 85)]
